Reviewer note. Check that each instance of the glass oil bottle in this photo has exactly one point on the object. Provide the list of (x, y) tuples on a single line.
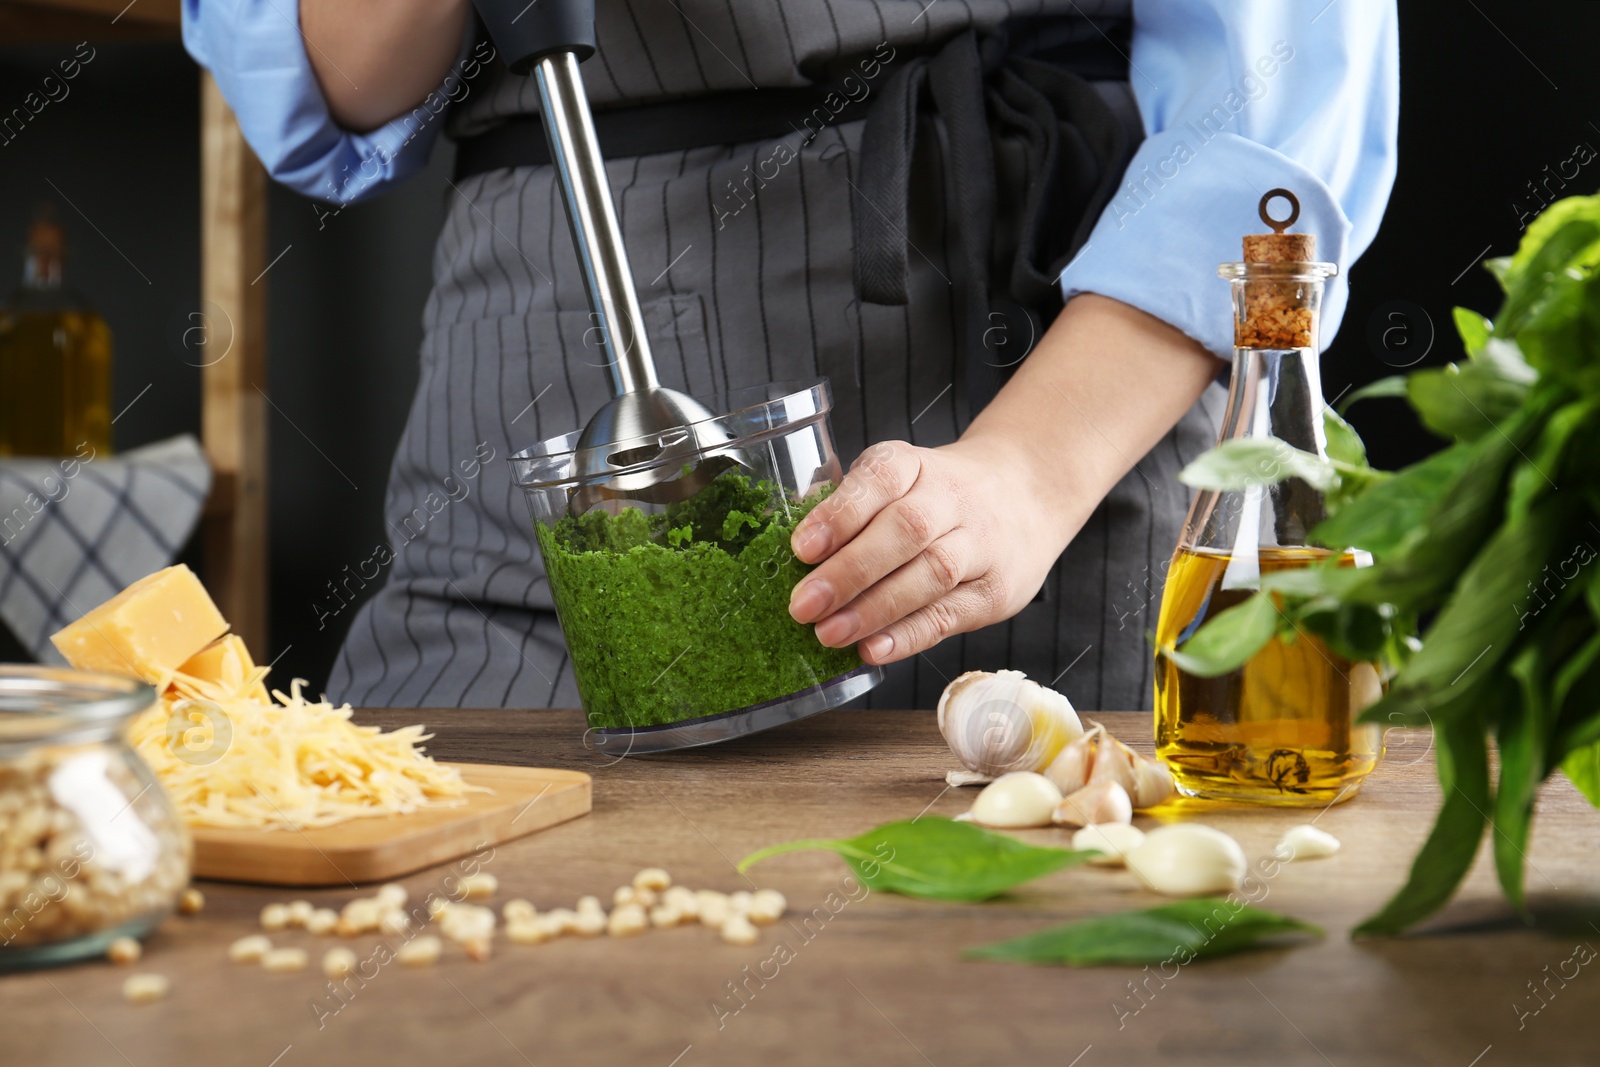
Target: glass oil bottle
[(55, 360), (1281, 729)]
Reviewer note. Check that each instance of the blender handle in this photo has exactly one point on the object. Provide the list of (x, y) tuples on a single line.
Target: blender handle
[(525, 31), (549, 47)]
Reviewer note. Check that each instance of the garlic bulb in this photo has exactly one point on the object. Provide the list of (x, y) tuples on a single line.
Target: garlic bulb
[(1016, 800), (996, 722), (1095, 803), (1112, 840), (1188, 860), (1305, 843), (1098, 757)]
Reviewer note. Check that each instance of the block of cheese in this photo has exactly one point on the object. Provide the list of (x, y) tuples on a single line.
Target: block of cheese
[(154, 626), (227, 663)]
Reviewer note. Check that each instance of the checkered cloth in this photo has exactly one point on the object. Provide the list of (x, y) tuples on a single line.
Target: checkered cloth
[(76, 531)]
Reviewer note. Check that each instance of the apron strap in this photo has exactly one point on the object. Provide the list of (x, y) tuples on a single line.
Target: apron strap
[(1033, 152)]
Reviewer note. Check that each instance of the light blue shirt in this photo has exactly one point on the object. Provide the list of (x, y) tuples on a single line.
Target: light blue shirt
[(1238, 97)]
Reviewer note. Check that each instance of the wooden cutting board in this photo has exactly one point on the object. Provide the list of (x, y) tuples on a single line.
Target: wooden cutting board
[(525, 799)]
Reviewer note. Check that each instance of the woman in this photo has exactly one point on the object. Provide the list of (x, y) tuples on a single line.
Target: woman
[(1027, 532)]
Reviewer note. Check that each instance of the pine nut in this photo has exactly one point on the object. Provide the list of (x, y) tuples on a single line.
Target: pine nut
[(738, 930), (145, 988), (652, 878), (627, 920), (124, 950), (479, 886), (283, 960), (420, 952), (766, 907), (338, 962), (322, 921), (249, 949)]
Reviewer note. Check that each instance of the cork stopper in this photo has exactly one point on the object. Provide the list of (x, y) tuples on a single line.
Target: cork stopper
[(1277, 246), (41, 266), (1275, 313)]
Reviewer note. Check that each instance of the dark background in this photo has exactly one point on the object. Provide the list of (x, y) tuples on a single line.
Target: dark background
[(1492, 94)]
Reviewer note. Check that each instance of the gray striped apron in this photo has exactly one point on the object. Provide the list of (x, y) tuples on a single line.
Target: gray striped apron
[(740, 286)]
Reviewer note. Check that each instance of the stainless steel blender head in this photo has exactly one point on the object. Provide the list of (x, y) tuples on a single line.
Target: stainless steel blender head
[(626, 450)]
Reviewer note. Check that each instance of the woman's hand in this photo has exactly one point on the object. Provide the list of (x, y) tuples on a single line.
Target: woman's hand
[(917, 544)]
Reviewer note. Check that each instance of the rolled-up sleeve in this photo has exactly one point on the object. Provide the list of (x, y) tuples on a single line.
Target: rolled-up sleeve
[(256, 53), (1239, 98)]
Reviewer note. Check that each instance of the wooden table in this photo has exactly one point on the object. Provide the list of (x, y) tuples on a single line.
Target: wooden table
[(874, 980)]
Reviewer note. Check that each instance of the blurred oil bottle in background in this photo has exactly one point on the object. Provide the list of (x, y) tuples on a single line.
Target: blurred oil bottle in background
[(55, 358)]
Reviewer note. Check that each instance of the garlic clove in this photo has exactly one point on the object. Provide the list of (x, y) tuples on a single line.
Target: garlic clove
[(1152, 783), (1114, 762), (1112, 840), (1305, 843), (1000, 721), (1095, 803), (1188, 860), (1070, 769), (1016, 800)]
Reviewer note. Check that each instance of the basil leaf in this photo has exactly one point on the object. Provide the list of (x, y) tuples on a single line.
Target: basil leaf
[(1327, 579), (1229, 638), (1358, 632), (1473, 328), (937, 859), (1256, 461), (1447, 855), (1582, 768), (1344, 444), (1429, 564), (1522, 737), (1383, 517), (1563, 329), (1392, 386), (1565, 237), (1477, 625), (1179, 932), (1464, 401), (1577, 724), (1538, 474)]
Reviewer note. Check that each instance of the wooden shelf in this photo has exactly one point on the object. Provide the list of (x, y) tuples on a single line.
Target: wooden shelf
[(233, 232), (48, 21)]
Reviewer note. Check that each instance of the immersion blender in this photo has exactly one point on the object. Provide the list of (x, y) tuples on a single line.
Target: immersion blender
[(627, 442)]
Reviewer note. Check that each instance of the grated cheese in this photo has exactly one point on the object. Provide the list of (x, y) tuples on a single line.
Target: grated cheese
[(289, 763)]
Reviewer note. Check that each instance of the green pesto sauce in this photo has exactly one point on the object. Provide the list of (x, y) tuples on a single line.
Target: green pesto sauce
[(685, 613)]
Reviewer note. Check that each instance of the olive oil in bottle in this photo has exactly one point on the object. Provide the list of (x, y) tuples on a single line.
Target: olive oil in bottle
[(1282, 728), (55, 360)]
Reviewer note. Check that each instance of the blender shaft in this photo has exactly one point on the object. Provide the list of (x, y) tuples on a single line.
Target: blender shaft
[(596, 235)]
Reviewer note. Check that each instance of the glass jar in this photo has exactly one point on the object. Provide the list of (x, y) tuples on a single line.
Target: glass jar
[(90, 847), (1282, 728), (676, 611)]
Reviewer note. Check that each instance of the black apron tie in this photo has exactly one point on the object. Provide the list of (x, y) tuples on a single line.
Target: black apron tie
[(1034, 153)]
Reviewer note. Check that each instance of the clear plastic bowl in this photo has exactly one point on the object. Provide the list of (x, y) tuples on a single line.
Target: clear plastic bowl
[(676, 615)]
